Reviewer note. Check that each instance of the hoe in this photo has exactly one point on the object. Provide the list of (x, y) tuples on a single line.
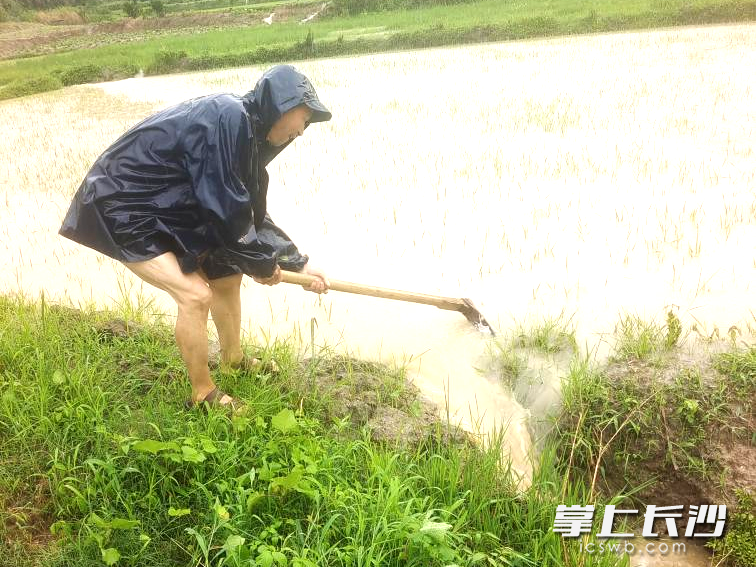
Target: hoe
[(463, 305)]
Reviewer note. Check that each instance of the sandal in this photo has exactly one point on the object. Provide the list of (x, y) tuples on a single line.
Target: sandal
[(248, 364), (214, 399)]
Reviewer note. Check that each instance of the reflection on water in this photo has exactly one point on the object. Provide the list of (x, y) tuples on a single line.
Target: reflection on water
[(562, 187)]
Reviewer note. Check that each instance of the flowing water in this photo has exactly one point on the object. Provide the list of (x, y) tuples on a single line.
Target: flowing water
[(572, 179), (661, 552)]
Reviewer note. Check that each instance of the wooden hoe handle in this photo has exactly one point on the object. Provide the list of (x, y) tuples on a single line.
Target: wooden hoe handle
[(449, 303), (463, 305)]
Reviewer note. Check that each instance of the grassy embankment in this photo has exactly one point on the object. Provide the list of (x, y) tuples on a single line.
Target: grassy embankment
[(668, 420), (99, 463), (97, 448), (342, 34)]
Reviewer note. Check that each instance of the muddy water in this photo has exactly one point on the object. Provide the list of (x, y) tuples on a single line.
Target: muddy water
[(580, 176), (657, 555)]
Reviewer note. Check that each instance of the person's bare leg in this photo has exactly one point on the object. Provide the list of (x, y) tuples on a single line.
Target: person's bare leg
[(191, 338), (193, 298), (226, 310)]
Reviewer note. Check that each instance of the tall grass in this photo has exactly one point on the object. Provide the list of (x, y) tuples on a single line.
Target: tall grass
[(92, 424)]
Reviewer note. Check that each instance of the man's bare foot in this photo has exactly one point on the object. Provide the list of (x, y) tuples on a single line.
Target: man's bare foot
[(217, 397), (250, 364)]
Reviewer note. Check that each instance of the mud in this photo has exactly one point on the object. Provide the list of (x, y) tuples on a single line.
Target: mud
[(117, 328), (694, 554), (728, 453), (27, 515), (99, 322), (666, 367), (377, 397), (728, 448)]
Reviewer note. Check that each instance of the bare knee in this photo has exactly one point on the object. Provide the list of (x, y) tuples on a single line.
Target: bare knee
[(226, 285), (196, 298)]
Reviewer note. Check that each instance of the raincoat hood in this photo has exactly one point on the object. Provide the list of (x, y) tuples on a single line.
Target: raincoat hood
[(280, 89)]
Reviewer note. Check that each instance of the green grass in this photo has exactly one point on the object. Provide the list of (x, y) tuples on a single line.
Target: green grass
[(96, 448), (641, 340), (625, 433), (487, 20), (625, 428), (99, 461), (549, 336), (740, 542)]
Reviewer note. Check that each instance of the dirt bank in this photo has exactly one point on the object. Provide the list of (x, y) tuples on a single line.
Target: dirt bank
[(675, 428), (24, 39), (367, 394)]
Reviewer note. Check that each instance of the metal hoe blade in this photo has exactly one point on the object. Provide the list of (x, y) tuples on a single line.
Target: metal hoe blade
[(475, 317)]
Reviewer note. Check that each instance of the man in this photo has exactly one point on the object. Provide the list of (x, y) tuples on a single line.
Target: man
[(180, 199)]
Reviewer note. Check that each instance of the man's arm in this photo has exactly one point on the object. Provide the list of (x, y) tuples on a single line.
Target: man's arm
[(289, 257)]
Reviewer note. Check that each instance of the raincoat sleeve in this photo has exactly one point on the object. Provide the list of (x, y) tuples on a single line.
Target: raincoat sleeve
[(217, 146), (289, 257)]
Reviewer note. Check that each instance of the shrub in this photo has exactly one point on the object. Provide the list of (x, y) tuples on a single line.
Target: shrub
[(81, 74), (166, 61), (30, 86)]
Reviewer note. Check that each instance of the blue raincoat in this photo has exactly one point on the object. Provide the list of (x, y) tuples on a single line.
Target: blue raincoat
[(191, 179)]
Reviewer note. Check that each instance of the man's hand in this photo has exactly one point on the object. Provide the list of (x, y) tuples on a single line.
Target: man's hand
[(319, 285), (272, 280)]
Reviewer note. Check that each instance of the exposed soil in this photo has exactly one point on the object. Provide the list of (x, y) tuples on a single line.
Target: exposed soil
[(368, 394), (372, 395), (728, 452), (107, 329), (27, 516), (739, 459), (669, 365), (23, 39)]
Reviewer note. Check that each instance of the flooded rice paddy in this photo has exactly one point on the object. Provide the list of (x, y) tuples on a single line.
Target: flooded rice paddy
[(577, 178)]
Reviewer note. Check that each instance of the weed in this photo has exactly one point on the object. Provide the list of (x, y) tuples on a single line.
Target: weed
[(642, 340), (739, 544), (551, 335)]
